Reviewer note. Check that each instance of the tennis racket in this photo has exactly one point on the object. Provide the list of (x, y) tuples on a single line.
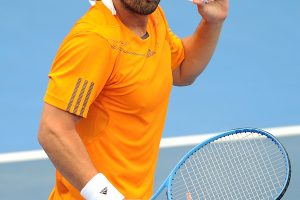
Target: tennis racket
[(238, 164)]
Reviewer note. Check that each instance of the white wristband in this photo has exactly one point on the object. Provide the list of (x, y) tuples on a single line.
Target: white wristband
[(99, 188)]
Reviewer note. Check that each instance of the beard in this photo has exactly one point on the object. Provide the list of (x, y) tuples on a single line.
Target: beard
[(142, 7)]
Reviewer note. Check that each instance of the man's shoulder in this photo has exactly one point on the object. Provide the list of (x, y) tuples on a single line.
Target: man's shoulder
[(98, 20)]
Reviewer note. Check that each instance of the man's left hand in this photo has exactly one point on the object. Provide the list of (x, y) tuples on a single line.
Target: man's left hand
[(212, 11)]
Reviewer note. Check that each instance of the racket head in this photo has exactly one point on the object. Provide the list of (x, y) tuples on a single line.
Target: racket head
[(280, 150)]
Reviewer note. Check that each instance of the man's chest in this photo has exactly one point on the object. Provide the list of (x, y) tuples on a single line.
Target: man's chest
[(141, 78)]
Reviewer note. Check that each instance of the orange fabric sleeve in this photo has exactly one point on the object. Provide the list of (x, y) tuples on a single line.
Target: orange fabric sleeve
[(79, 72), (177, 50), (175, 43)]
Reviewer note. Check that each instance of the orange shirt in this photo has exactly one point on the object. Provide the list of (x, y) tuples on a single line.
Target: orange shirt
[(120, 84)]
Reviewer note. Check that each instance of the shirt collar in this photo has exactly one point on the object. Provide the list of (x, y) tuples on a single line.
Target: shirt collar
[(108, 3)]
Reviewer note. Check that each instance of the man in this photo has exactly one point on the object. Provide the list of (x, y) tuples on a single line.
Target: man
[(108, 93)]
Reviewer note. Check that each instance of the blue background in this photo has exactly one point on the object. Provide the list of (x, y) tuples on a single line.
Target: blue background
[(252, 80)]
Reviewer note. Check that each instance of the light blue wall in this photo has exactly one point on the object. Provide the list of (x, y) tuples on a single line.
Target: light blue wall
[(253, 79)]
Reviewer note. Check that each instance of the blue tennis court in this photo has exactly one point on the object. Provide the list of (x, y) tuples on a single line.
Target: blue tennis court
[(252, 81)]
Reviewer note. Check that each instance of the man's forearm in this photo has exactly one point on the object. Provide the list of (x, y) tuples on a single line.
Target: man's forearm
[(67, 152), (199, 49)]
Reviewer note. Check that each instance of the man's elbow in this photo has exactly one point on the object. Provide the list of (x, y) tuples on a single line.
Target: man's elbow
[(184, 76), (48, 134), (184, 82), (43, 135)]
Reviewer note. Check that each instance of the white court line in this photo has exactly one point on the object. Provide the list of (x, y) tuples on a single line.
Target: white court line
[(22, 156), (285, 131)]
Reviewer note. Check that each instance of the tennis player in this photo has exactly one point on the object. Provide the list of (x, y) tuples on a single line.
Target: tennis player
[(108, 93)]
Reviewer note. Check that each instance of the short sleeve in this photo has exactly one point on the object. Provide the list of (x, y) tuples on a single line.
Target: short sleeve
[(79, 72), (175, 43), (177, 50)]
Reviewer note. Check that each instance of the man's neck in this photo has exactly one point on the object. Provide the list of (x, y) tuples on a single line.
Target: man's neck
[(135, 22)]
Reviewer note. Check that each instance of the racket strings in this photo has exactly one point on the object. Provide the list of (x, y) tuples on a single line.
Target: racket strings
[(195, 187), (201, 177), (259, 157), (268, 157), (253, 159), (245, 183), (275, 156), (216, 182), (222, 189), (221, 176), (203, 171), (279, 164), (248, 172), (216, 173), (268, 177), (203, 192), (280, 169)]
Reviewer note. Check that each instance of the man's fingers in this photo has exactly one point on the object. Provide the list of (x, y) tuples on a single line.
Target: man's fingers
[(202, 2), (188, 196)]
